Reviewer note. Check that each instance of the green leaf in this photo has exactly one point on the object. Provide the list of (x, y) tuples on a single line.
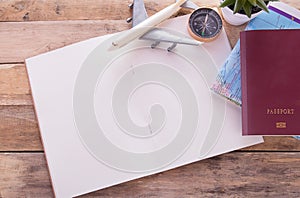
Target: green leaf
[(248, 8), (252, 2), (262, 5), (227, 3), (238, 5)]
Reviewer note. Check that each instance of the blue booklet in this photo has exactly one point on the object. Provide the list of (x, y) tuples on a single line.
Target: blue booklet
[(228, 81)]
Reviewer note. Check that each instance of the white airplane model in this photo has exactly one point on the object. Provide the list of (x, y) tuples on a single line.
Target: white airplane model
[(144, 27)]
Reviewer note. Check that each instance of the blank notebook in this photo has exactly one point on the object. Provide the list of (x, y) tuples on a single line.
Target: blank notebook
[(270, 67)]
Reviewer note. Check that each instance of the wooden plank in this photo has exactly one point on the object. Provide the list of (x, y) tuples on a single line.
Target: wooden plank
[(24, 175), (276, 143), (26, 39), (51, 35), (293, 3), (39, 10), (14, 85), (19, 129), (19, 132), (237, 174), (14, 79), (15, 99)]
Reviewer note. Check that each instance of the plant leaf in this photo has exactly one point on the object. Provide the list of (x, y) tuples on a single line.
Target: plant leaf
[(227, 3), (248, 8), (238, 5), (253, 2), (262, 5)]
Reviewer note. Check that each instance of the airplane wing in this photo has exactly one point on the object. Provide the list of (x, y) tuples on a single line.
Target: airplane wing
[(168, 36), (139, 12), (158, 35)]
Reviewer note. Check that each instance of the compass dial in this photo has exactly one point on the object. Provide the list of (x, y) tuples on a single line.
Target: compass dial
[(205, 24)]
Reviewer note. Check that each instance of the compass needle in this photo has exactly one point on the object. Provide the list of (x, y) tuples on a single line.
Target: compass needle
[(206, 17)]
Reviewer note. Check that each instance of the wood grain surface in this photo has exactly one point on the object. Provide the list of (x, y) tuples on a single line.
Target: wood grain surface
[(237, 174), (53, 10), (31, 27), (50, 10)]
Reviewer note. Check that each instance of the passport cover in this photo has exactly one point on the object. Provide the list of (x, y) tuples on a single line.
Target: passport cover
[(270, 68)]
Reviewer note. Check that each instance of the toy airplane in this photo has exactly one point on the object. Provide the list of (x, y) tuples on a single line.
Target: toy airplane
[(144, 27)]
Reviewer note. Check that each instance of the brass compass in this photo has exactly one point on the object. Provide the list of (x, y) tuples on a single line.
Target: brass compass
[(205, 24)]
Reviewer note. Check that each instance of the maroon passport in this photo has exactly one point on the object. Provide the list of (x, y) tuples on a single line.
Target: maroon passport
[(270, 72)]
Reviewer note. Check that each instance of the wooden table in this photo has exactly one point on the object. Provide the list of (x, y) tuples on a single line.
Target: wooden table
[(32, 27)]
